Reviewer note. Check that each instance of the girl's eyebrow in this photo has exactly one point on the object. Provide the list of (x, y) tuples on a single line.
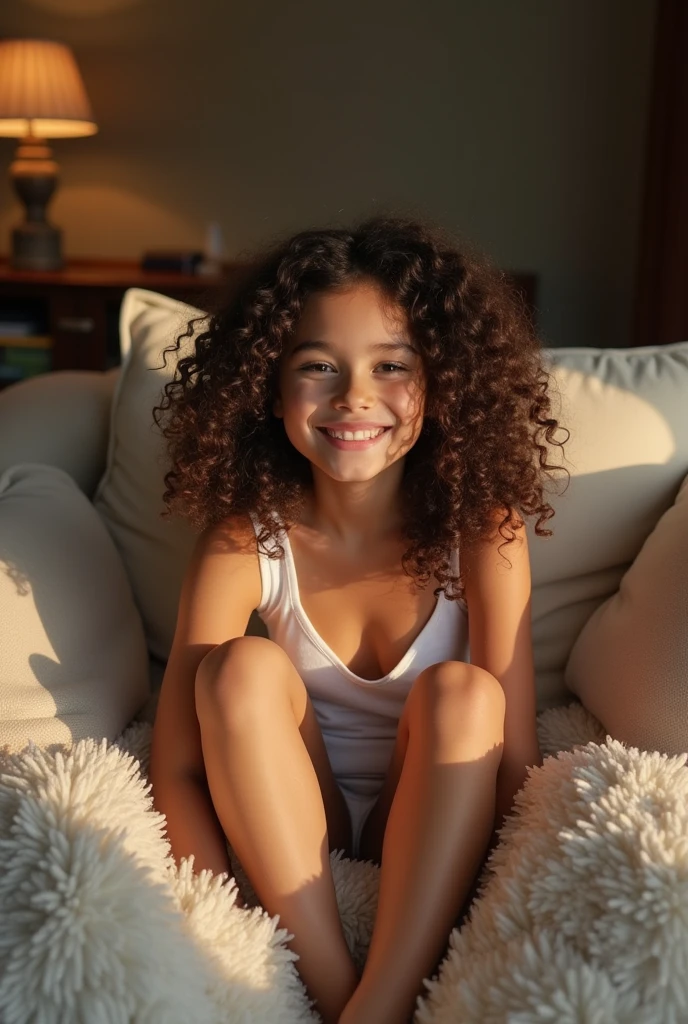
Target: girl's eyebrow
[(380, 346)]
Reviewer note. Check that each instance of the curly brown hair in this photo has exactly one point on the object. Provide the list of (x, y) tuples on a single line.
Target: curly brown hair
[(487, 413)]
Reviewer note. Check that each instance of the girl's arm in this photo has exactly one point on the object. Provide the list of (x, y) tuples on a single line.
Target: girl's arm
[(177, 770), (499, 628), (192, 826), (220, 588)]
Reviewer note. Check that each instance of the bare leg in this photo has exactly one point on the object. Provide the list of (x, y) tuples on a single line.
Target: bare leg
[(260, 743), (439, 826)]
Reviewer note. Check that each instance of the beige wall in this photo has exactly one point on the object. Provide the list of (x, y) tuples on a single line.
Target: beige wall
[(520, 123)]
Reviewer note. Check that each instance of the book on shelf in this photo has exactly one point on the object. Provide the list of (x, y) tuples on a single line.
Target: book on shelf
[(10, 374), (11, 328), (26, 341), (24, 360), (25, 344)]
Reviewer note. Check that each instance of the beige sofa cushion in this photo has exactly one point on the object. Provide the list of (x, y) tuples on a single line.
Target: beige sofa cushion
[(72, 648), (629, 666), (59, 419), (627, 454)]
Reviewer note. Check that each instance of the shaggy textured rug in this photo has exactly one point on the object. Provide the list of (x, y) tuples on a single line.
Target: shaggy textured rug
[(581, 914)]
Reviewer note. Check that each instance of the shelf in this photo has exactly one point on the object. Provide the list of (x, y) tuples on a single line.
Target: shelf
[(25, 340), (113, 273)]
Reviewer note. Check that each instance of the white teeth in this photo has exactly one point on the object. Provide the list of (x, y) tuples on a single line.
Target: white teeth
[(357, 435)]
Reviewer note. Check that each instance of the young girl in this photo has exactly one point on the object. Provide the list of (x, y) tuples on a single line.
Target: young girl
[(368, 415)]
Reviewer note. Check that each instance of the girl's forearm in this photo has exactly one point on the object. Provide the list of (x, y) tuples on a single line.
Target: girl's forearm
[(192, 825), (511, 777)]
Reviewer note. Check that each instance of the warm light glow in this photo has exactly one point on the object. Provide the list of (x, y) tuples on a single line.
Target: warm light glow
[(41, 91)]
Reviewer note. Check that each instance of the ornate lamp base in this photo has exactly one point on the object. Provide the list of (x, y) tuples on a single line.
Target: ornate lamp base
[(36, 245)]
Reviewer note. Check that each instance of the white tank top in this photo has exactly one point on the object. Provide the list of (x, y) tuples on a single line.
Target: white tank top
[(358, 717)]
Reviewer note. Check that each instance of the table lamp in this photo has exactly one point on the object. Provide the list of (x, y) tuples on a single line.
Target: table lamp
[(42, 96)]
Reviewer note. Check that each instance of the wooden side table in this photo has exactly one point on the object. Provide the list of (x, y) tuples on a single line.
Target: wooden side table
[(80, 304)]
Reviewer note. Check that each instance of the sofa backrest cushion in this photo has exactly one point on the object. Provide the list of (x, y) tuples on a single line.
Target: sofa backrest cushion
[(629, 665), (627, 454), (59, 419), (72, 646), (627, 410)]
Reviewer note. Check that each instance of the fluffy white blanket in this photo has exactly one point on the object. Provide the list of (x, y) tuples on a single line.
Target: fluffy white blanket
[(582, 914)]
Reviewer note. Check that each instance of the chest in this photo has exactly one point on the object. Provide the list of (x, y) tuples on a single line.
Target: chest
[(364, 607)]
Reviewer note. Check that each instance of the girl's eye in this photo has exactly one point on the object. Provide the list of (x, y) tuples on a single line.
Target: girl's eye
[(396, 367)]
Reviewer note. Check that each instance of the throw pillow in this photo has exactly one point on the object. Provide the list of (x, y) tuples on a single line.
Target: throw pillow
[(629, 666), (72, 648), (129, 496)]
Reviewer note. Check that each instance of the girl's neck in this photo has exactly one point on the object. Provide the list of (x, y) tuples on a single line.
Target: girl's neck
[(353, 529)]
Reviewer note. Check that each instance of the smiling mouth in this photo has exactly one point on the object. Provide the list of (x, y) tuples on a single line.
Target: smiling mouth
[(352, 445), (323, 430)]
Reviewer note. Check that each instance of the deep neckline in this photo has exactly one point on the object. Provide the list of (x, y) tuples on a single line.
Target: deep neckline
[(325, 647)]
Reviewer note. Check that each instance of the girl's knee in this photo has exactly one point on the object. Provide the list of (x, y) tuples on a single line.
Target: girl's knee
[(452, 691), (233, 673)]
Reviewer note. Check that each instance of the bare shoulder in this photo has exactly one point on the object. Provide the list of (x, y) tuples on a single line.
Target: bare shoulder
[(232, 535), (224, 566)]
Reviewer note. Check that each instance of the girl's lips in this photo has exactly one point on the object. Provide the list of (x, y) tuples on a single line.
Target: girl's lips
[(338, 442)]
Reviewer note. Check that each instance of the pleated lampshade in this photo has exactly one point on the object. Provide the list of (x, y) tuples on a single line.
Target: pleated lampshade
[(41, 91)]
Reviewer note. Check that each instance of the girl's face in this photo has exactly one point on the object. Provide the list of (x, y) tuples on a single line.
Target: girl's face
[(335, 370)]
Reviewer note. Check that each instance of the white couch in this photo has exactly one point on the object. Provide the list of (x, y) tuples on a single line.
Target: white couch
[(91, 578)]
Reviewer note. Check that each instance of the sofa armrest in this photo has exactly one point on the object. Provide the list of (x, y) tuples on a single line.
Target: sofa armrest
[(60, 419)]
